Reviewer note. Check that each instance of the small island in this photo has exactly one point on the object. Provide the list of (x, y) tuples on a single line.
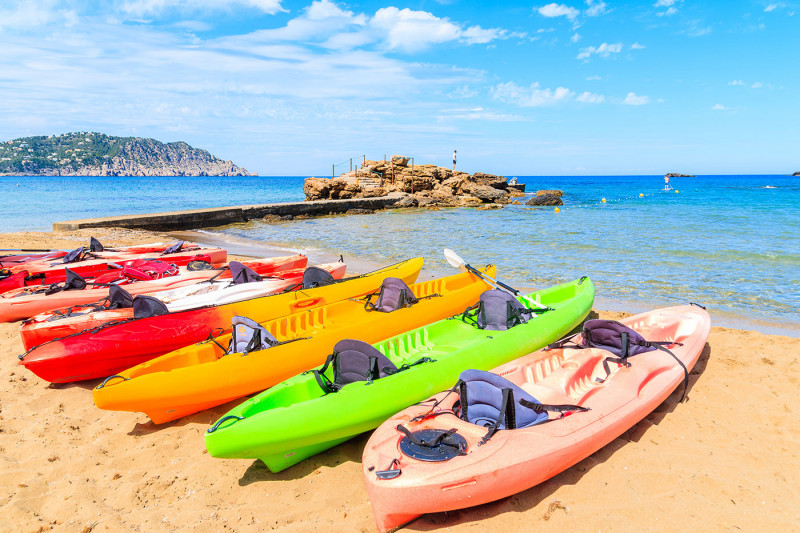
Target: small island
[(796, 173), (97, 154), (676, 175)]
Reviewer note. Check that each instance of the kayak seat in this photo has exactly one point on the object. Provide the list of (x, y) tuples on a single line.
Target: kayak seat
[(148, 306), (248, 336), (316, 277), (491, 401), (353, 360), (242, 274), (496, 310), (393, 294), (175, 248)]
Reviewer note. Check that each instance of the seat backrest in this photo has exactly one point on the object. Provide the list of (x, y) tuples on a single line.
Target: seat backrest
[(73, 256), (119, 298), (94, 245), (243, 274), (615, 337), (499, 311), (394, 294), (316, 277), (481, 402), (74, 281), (175, 248), (355, 360), (249, 336), (148, 306)]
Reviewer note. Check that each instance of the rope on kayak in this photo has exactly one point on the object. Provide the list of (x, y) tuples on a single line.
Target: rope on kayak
[(216, 426), (109, 378)]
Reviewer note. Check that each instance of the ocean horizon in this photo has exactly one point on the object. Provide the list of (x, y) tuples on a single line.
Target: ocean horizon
[(727, 242)]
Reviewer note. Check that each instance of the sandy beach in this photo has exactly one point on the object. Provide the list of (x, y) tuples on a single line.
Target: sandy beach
[(725, 460)]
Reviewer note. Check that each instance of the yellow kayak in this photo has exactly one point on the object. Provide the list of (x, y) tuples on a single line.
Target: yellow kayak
[(204, 375)]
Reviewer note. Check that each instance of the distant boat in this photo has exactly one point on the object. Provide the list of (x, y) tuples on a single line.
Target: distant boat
[(770, 187)]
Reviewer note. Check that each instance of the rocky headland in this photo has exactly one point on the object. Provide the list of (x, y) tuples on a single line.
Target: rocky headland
[(97, 154), (677, 175), (796, 173), (417, 185)]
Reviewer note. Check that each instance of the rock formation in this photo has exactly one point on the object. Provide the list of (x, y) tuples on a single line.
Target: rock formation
[(545, 197), (676, 175), (796, 173), (417, 185)]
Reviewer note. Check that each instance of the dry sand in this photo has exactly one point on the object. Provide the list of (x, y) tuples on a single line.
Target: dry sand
[(725, 460)]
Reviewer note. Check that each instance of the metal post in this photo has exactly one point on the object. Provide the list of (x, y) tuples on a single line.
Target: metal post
[(351, 164), (365, 161), (333, 171)]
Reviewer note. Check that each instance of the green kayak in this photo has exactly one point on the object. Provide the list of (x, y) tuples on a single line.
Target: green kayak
[(312, 412)]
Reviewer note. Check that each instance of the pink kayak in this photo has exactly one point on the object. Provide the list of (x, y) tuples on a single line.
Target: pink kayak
[(428, 458)]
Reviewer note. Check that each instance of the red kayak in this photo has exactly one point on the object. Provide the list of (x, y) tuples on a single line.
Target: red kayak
[(172, 253), (72, 320), (116, 346), (88, 271)]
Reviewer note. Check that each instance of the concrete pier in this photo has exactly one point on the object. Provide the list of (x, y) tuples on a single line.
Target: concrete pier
[(220, 216)]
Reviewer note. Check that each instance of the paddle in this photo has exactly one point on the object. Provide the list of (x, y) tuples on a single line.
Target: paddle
[(459, 263), (25, 250)]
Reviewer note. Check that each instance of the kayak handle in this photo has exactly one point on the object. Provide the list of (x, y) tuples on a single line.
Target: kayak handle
[(216, 426), (103, 384), (310, 302)]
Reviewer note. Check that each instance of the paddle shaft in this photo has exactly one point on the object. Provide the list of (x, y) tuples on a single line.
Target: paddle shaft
[(491, 281)]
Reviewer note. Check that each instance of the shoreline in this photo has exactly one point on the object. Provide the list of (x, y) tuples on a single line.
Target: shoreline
[(243, 246), (68, 466)]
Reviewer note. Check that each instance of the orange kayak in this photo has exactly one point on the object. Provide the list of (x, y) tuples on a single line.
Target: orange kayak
[(68, 321), (471, 466), (116, 346), (204, 375)]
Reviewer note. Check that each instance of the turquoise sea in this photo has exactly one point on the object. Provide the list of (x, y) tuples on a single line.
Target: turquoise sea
[(727, 242)]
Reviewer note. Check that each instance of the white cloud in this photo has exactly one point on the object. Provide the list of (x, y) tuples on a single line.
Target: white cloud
[(594, 78), (637, 46), (143, 8), (596, 8), (604, 50), (533, 96), (665, 3), (633, 99), (558, 10), (757, 85), (668, 12), (575, 37), (591, 98), (719, 107), (771, 7), (736, 82)]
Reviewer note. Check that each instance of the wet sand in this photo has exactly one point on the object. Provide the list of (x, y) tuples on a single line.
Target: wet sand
[(725, 460)]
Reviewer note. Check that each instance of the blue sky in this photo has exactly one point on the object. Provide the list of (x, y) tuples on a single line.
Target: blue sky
[(519, 88)]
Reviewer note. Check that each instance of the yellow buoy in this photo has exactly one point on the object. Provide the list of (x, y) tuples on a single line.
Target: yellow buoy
[(558, 210), (676, 192), (641, 194), (604, 200)]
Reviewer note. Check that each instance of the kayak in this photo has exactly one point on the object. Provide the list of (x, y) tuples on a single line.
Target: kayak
[(302, 416), (282, 271), (53, 365), (117, 346), (204, 375), (409, 473), (88, 271), (178, 253), (136, 277)]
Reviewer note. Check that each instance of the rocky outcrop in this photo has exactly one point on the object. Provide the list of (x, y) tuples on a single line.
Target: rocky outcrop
[(676, 175), (796, 173), (421, 185), (546, 197)]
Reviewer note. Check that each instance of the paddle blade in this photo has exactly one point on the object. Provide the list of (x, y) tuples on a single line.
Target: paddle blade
[(453, 258)]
